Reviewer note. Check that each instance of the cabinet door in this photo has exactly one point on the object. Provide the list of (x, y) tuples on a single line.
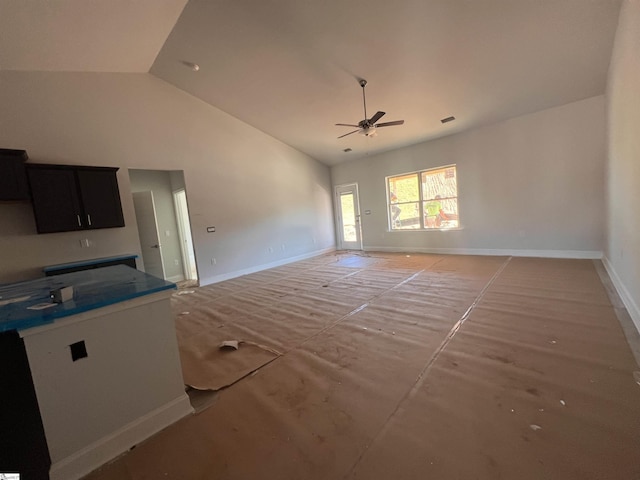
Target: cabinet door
[(56, 203), (100, 197), (23, 446), (13, 179)]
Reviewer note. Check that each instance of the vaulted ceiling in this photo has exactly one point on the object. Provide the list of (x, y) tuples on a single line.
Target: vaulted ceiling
[(291, 67)]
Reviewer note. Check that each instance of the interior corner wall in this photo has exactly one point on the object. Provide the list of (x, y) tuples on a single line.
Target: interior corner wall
[(270, 203), (532, 186), (622, 251)]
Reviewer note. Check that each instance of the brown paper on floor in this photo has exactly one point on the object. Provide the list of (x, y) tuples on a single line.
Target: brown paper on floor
[(278, 311), (207, 366), (536, 382)]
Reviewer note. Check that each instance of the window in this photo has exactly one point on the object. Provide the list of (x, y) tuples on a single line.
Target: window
[(423, 200)]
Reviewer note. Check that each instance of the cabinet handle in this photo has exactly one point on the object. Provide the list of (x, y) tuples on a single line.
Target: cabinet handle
[(79, 221), (89, 219)]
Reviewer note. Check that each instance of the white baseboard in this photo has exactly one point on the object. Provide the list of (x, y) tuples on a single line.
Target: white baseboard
[(578, 254), (98, 453), (175, 278), (625, 296), (264, 266)]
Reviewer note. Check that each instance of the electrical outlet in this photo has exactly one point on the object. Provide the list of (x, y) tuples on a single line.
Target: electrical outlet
[(176, 262), (213, 261), (270, 249), (283, 247)]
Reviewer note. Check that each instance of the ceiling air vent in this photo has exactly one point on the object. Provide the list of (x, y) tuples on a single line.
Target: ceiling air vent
[(448, 119)]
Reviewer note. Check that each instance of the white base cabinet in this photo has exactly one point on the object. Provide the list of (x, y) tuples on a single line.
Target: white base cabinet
[(127, 387)]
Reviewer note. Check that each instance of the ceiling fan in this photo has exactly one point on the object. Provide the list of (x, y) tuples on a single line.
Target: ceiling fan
[(367, 127)]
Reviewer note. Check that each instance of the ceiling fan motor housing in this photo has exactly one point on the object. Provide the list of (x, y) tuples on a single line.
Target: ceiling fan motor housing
[(367, 127)]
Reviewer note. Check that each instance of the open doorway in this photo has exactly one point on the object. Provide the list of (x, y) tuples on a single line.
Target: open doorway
[(162, 216)]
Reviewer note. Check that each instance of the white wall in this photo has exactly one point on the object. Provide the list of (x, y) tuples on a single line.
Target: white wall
[(531, 185), (256, 191), (622, 251)]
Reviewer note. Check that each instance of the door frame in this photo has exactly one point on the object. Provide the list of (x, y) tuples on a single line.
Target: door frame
[(338, 216), (184, 233)]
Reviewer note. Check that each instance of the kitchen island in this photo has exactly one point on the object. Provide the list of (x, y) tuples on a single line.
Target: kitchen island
[(103, 366)]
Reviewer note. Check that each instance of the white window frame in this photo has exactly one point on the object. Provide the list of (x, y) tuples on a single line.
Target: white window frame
[(421, 200)]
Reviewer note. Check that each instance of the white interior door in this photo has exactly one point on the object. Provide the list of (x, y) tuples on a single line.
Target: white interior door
[(148, 233), (348, 217)]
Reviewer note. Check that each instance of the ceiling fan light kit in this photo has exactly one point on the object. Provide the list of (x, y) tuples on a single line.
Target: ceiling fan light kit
[(368, 126)]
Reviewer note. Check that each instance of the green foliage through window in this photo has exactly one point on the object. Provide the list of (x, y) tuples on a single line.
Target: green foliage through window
[(423, 200)]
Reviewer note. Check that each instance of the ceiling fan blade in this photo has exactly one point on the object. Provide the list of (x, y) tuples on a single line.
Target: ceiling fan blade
[(376, 117), (389, 124), (346, 125), (349, 133)]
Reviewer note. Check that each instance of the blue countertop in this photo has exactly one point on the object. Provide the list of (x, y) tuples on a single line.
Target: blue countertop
[(92, 289), (84, 263)]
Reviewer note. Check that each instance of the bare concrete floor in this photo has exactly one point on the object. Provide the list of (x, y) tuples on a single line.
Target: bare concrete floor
[(411, 367)]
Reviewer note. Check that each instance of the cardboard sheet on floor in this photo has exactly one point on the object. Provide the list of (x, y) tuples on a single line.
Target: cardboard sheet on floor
[(209, 364)]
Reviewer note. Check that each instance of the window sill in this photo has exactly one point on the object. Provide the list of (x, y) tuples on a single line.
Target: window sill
[(425, 230)]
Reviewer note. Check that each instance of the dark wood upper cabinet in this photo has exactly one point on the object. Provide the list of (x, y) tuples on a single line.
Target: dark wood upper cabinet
[(67, 198), (100, 197), (13, 178), (56, 204)]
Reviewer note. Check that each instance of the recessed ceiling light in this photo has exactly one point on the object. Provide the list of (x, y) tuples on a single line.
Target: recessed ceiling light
[(448, 119), (193, 66)]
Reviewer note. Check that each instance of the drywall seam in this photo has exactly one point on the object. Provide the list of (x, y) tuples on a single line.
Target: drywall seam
[(625, 296), (578, 254)]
